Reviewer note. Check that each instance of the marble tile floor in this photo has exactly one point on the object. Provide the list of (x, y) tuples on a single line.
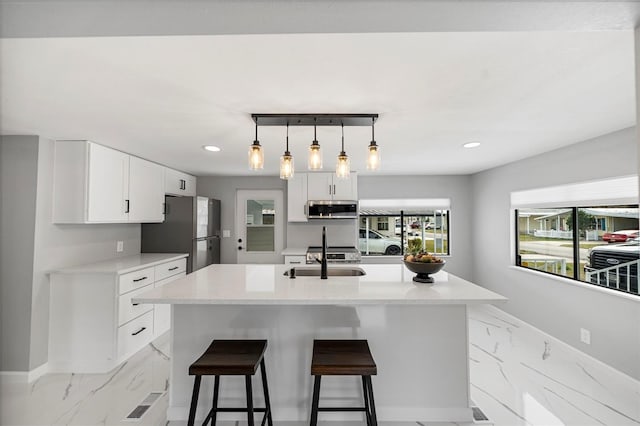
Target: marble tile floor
[(519, 376)]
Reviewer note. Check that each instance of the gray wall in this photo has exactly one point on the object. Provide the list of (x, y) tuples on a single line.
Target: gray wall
[(18, 171), (555, 306), (31, 246), (224, 189), (456, 188)]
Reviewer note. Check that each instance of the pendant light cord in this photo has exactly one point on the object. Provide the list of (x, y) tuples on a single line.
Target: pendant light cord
[(315, 139), (256, 128), (287, 137), (342, 137), (373, 131)]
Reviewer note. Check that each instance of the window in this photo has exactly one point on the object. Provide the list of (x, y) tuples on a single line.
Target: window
[(395, 227), (596, 242)]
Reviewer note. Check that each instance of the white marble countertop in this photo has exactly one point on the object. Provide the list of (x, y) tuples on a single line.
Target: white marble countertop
[(122, 265), (267, 285), (294, 251)]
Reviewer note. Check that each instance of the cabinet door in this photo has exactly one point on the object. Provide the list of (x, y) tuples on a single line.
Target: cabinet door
[(297, 198), (319, 186), (108, 184), (189, 185), (178, 183), (345, 189), (146, 191), (172, 182)]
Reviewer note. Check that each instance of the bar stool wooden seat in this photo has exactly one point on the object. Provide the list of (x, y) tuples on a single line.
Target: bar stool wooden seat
[(343, 358), (231, 358)]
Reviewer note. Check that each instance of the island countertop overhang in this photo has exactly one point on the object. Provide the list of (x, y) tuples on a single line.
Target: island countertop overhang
[(267, 285)]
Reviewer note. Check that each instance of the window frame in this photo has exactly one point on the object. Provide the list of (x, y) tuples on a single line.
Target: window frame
[(575, 251)]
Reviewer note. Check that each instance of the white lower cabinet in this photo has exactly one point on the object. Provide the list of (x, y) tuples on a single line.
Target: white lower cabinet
[(94, 326)]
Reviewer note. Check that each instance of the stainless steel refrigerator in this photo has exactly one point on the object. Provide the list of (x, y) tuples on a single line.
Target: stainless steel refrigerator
[(191, 225)]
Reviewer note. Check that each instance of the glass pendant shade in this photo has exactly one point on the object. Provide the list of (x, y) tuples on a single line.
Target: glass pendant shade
[(256, 156), (373, 157), (315, 156), (343, 166), (286, 166)]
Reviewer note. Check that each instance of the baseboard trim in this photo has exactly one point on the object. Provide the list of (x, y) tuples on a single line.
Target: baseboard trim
[(24, 376), (397, 414), (569, 347)]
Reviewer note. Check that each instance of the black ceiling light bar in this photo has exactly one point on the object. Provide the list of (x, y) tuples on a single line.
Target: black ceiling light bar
[(315, 119)]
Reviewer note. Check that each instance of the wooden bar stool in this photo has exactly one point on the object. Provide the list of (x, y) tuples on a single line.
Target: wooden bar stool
[(343, 358), (231, 358)]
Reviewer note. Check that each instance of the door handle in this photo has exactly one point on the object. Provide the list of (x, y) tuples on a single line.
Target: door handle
[(239, 247), (239, 240)]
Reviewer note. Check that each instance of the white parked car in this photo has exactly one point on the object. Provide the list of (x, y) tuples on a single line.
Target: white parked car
[(378, 243)]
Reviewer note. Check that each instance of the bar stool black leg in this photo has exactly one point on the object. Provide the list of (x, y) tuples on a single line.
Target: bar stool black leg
[(267, 401), (365, 395), (214, 405), (374, 419), (250, 420), (316, 400), (194, 400)]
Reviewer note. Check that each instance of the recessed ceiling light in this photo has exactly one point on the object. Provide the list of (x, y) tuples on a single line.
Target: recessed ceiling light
[(211, 148), (471, 144)]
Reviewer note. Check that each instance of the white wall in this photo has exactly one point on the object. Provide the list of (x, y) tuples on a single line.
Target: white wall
[(556, 306), (18, 171)]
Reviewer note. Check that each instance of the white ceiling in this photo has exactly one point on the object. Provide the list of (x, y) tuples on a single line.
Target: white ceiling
[(162, 98)]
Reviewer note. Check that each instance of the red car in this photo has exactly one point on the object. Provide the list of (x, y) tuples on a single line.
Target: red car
[(620, 236)]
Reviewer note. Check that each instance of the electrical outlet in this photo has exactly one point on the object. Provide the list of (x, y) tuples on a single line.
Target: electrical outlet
[(585, 336), (226, 233), (119, 246)]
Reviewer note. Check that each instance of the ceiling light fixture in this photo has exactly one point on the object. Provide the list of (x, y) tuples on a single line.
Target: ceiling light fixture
[(256, 156), (211, 148), (315, 155), (471, 145), (343, 166), (373, 159), (286, 161)]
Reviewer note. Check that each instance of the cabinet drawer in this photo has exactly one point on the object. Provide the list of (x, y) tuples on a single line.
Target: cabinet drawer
[(127, 310), (171, 268), (162, 313), (295, 260), (136, 279), (133, 335)]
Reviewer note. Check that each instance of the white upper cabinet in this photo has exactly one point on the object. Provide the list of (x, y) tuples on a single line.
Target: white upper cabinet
[(178, 183), (326, 186), (146, 191), (107, 184), (297, 198), (96, 184)]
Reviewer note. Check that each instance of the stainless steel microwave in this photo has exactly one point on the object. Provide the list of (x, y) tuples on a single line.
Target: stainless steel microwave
[(332, 209)]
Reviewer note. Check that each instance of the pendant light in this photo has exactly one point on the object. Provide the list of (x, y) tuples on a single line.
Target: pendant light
[(343, 166), (256, 156), (315, 155), (286, 161), (373, 158)]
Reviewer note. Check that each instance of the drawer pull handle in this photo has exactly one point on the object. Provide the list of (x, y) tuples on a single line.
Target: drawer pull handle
[(173, 269), (139, 331), (139, 279), (135, 304), (296, 262)]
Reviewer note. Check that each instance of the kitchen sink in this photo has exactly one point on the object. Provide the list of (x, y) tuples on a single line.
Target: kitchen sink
[(331, 272)]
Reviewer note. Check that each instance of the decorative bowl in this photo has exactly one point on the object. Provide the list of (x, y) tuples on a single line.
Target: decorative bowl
[(423, 270)]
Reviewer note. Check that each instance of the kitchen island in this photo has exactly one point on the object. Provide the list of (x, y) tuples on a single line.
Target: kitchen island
[(417, 333)]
